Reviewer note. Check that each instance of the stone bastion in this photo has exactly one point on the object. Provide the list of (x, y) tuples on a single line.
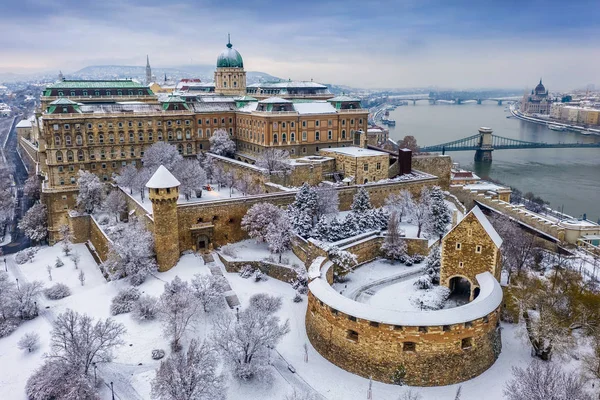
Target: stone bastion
[(434, 348)]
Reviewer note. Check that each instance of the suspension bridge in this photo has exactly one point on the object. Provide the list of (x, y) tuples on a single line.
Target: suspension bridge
[(485, 142)]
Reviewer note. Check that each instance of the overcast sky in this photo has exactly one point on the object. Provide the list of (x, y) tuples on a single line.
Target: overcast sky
[(469, 44)]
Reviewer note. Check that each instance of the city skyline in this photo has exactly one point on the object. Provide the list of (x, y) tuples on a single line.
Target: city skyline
[(378, 45)]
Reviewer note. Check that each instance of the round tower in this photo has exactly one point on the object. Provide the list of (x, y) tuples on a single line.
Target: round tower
[(164, 193), (230, 77)]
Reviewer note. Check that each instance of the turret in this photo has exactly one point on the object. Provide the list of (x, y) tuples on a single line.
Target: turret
[(164, 193)]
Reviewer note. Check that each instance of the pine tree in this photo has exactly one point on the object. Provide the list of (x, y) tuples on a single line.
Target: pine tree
[(434, 263), (303, 210), (361, 201), (438, 214)]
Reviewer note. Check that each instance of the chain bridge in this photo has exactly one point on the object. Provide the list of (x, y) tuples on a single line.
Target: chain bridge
[(485, 142)]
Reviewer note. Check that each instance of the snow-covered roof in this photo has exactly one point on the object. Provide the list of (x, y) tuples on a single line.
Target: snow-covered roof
[(24, 123), (487, 225), (275, 100), (489, 299), (288, 84), (314, 107), (356, 151), (162, 179)]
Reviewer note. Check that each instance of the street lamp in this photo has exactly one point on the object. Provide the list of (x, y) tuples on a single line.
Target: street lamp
[(95, 366), (5, 266), (112, 390), (18, 288)]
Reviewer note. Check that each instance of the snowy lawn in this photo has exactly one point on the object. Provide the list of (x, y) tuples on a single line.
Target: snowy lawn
[(250, 250)]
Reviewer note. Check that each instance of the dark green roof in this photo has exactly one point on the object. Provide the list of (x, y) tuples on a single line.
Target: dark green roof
[(63, 102), (230, 58), (102, 84)]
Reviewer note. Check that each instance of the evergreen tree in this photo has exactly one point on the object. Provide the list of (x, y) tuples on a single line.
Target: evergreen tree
[(303, 210), (434, 263), (438, 214), (361, 201)]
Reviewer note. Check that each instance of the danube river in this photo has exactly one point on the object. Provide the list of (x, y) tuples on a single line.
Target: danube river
[(568, 178)]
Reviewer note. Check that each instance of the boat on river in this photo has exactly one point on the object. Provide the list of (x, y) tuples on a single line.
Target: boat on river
[(559, 128)]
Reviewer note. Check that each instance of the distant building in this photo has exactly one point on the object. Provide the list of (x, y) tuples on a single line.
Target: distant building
[(537, 102), (377, 136)]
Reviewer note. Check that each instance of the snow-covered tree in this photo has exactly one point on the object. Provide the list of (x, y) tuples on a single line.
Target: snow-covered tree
[(34, 223), (394, 247), (145, 308), (67, 238), (56, 379), (57, 291), (90, 191), (438, 215), (161, 153), (221, 144), (518, 246), (75, 257), (207, 163), (179, 307), (257, 219), (127, 177), (30, 342), (545, 381), (115, 203), (342, 260), (142, 177), (279, 235), (434, 263), (33, 187), (246, 185), (361, 201), (81, 277), (131, 254), (59, 262), (7, 197), (410, 395), (420, 210), (209, 289), (190, 375), (191, 176), (303, 210), (265, 303), (245, 341), (26, 297), (328, 201), (8, 305), (124, 301), (275, 162), (79, 341)]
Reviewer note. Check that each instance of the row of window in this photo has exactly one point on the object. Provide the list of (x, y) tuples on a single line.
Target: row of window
[(103, 93), (113, 153), (465, 343), (140, 124), (366, 166)]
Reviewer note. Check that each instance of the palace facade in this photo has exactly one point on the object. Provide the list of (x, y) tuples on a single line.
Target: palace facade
[(537, 102), (102, 126)]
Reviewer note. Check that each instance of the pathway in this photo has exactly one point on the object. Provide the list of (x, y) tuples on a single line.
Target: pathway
[(363, 292)]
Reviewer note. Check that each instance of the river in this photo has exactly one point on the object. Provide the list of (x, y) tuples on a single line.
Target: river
[(568, 178)]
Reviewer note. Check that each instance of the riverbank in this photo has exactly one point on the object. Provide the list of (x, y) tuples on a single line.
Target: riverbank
[(573, 128)]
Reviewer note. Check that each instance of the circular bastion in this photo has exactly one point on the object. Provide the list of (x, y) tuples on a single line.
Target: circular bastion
[(433, 348)]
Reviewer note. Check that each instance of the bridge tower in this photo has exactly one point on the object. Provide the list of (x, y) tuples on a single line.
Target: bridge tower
[(486, 146)]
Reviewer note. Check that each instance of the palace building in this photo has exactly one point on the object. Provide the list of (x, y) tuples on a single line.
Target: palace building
[(537, 102), (102, 126)]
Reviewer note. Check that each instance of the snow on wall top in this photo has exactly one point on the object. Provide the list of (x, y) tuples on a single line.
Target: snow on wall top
[(487, 225), (314, 271), (162, 179), (489, 299), (24, 123), (356, 151)]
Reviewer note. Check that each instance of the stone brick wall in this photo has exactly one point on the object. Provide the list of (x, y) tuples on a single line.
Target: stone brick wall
[(467, 261), (354, 166), (80, 227), (29, 153), (277, 271), (437, 165), (99, 240), (377, 350)]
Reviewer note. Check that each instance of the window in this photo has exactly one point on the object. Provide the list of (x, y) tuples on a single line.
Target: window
[(275, 138), (199, 132), (80, 155), (179, 135), (478, 249), (293, 124), (215, 121), (317, 135), (304, 124), (170, 135), (79, 140), (57, 140), (329, 135), (62, 181), (352, 335), (374, 324), (423, 329), (70, 156), (274, 125), (207, 132), (283, 137), (103, 165), (447, 328), (397, 327), (343, 134), (333, 311), (93, 166), (365, 167), (293, 136), (317, 123), (343, 122), (329, 123), (468, 324), (461, 264), (351, 318), (304, 150), (61, 168), (457, 246), (304, 136), (283, 124), (207, 121), (378, 166), (188, 134), (111, 138), (466, 343), (101, 138), (59, 156), (409, 346)]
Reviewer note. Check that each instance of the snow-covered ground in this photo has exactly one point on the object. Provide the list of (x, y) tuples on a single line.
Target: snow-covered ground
[(133, 368), (250, 250)]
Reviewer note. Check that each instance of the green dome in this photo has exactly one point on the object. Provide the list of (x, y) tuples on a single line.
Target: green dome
[(230, 58)]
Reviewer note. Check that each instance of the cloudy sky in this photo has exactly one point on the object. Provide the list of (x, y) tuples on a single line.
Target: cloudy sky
[(466, 44)]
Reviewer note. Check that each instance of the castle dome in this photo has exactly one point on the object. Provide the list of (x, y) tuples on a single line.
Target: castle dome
[(540, 89), (230, 58)]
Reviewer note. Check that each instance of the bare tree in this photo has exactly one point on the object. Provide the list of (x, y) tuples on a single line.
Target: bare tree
[(79, 342), (67, 238), (393, 247), (544, 381), (191, 176), (399, 202), (279, 235), (209, 289), (221, 144), (420, 210), (81, 277), (257, 219), (30, 342), (91, 191), (190, 375), (34, 223), (26, 297), (127, 177), (328, 201), (518, 246), (409, 142), (33, 187), (142, 177), (245, 341), (410, 395), (75, 257), (115, 203), (179, 307), (161, 153), (275, 162)]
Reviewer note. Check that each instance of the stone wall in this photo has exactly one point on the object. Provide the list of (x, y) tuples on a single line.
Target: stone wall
[(437, 165), (28, 152), (99, 240), (85, 228), (442, 355), (277, 271)]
